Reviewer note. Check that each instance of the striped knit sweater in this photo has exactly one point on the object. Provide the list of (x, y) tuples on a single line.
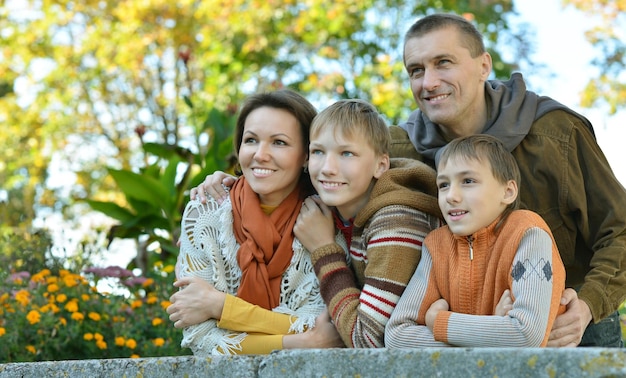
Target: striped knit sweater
[(387, 237), (471, 274)]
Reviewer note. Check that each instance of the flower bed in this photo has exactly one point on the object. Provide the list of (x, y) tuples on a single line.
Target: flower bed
[(100, 313)]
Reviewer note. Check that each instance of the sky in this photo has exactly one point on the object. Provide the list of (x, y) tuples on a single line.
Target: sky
[(562, 47)]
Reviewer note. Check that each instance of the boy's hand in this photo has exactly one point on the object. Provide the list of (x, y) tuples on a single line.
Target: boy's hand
[(433, 310), (314, 227), (323, 335), (213, 185), (505, 304)]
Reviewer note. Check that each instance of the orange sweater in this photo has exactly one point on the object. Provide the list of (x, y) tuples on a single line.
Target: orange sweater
[(471, 273)]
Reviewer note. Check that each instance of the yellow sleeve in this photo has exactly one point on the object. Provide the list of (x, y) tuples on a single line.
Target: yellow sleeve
[(241, 316), (260, 344)]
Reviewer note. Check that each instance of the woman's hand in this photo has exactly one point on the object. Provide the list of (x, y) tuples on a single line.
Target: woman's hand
[(195, 303)]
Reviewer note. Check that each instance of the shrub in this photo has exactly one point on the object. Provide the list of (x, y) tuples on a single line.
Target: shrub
[(100, 313)]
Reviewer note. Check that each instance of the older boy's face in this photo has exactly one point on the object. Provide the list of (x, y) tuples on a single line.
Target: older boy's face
[(342, 170), (470, 197)]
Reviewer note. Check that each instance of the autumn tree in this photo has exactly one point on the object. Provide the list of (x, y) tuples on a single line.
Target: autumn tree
[(88, 86), (608, 35)]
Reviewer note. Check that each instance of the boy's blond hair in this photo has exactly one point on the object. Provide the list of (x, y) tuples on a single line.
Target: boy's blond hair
[(353, 117)]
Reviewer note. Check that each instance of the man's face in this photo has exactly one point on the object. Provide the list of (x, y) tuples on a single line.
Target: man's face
[(447, 83)]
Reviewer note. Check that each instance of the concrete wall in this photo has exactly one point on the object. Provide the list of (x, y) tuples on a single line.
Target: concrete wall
[(453, 362)]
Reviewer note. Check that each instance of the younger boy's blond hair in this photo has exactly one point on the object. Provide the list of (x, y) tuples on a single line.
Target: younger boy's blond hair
[(353, 117)]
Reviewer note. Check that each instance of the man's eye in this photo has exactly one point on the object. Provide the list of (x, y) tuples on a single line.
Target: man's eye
[(417, 72)]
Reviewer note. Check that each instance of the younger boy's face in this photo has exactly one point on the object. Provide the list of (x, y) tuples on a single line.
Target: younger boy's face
[(470, 197), (342, 170)]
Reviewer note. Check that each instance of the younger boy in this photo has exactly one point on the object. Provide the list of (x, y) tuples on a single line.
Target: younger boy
[(383, 207), (487, 248)]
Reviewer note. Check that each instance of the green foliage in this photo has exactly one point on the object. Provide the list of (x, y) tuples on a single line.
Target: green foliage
[(101, 313), (150, 88), (26, 250), (155, 196), (606, 35)]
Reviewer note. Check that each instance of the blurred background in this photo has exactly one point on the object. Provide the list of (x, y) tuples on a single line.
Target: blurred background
[(110, 111)]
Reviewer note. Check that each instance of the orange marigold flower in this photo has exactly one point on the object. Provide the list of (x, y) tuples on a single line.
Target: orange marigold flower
[(63, 321), (101, 344), (152, 299), (23, 297), (4, 297), (64, 272), (157, 321), (31, 349), (134, 355), (53, 287), (98, 336), (85, 297), (131, 344), (33, 317), (94, 316), (165, 304), (148, 282), (78, 316), (54, 308), (40, 277), (159, 341), (71, 280), (52, 279), (71, 306), (61, 298), (136, 304), (2, 331), (119, 341), (88, 336)]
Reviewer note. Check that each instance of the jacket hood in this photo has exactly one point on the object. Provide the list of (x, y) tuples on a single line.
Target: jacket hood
[(407, 182)]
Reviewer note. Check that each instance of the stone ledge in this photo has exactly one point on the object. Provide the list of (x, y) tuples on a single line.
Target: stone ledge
[(431, 362)]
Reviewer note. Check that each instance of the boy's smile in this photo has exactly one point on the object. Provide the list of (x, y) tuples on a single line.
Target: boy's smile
[(342, 170)]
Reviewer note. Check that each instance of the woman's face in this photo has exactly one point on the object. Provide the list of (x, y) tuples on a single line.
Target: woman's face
[(271, 154)]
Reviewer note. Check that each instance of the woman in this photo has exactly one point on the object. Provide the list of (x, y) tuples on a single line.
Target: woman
[(247, 285)]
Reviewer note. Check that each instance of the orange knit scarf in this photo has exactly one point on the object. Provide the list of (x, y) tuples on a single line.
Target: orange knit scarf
[(265, 243)]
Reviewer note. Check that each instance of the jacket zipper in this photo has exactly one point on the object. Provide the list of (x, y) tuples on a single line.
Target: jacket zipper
[(470, 240)]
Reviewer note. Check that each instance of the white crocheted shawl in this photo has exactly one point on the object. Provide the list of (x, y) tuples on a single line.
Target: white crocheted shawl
[(208, 250)]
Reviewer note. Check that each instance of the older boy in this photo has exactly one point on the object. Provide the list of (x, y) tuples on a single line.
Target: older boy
[(384, 214)]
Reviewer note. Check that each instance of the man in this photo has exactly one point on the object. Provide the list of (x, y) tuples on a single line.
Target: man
[(565, 176)]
